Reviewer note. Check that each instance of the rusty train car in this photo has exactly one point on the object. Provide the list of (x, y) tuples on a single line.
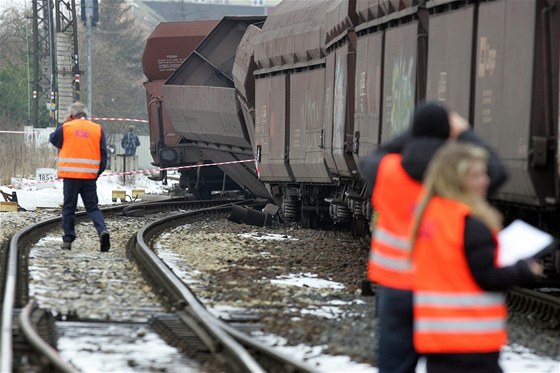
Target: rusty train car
[(166, 48), (335, 79), (319, 84)]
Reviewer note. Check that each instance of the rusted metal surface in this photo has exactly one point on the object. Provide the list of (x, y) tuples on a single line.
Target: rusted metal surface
[(510, 94), (450, 58), (169, 44), (271, 129), (341, 17), (215, 55), (399, 79), (307, 89), (339, 126), (209, 114), (162, 132), (243, 78), (368, 103), (166, 133), (242, 173), (203, 105), (200, 95), (293, 35), (166, 48), (369, 10)]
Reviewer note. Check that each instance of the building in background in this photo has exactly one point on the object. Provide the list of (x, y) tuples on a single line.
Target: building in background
[(152, 12)]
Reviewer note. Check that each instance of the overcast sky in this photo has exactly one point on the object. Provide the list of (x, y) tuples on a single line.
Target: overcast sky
[(19, 3)]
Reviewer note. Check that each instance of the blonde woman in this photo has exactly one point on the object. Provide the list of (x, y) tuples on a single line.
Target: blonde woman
[(459, 308), (394, 172)]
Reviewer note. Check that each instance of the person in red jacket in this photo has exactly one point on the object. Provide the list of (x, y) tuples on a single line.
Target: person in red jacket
[(394, 175), (459, 308), (81, 159)]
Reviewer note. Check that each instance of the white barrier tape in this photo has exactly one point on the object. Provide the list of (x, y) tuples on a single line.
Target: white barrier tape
[(100, 118), (121, 119), (135, 172)]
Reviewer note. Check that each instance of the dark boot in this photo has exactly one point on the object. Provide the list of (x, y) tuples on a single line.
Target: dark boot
[(104, 241)]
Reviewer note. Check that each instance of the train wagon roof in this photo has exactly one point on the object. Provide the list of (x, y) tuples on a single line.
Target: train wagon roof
[(297, 32), (340, 19), (216, 53), (170, 43), (293, 33), (369, 10)]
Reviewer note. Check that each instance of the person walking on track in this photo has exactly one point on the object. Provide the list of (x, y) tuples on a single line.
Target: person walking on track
[(81, 159)]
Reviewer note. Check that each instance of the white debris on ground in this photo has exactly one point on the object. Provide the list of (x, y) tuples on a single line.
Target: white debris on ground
[(514, 359)]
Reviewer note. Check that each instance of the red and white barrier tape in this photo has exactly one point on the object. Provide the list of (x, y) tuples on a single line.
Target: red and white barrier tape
[(100, 118), (121, 119), (136, 172)]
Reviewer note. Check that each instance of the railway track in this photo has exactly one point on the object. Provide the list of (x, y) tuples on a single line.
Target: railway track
[(543, 304), (29, 331), (173, 319)]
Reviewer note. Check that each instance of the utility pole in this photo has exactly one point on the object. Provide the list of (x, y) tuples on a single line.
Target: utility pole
[(68, 68), (89, 18), (51, 105), (42, 56), (55, 57)]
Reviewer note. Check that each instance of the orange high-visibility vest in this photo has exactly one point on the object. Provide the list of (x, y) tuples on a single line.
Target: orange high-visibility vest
[(80, 155), (452, 314), (394, 198)]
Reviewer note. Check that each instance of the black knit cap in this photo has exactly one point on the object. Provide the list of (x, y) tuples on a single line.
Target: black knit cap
[(430, 120)]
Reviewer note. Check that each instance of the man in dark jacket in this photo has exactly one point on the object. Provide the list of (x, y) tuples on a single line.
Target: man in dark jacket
[(81, 159), (432, 126), (130, 142)]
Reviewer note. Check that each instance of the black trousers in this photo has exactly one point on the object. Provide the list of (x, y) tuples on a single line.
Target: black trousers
[(87, 189), (463, 363), (395, 352)]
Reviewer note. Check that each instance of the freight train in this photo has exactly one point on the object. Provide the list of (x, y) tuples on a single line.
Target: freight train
[(166, 49), (320, 84)]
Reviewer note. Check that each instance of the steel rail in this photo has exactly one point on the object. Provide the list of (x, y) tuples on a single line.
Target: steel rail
[(38, 343), (11, 273), (10, 288), (233, 342), (547, 307), (217, 339)]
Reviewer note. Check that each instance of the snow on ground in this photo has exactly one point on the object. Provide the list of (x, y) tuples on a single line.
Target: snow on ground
[(514, 358), (49, 195)]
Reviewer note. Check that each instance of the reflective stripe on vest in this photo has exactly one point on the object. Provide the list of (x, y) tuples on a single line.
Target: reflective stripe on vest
[(393, 198), (452, 314), (435, 299), (402, 263), (79, 160), (386, 237), (453, 325), (80, 155)]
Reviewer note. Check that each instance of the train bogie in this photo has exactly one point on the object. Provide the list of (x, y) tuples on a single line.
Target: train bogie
[(322, 84)]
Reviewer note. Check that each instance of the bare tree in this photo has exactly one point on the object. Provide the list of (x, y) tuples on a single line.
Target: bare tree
[(117, 69)]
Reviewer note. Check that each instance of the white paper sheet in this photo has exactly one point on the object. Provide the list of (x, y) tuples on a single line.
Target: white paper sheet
[(520, 240)]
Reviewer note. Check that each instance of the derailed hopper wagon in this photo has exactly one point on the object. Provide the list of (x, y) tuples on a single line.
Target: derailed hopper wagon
[(166, 48), (204, 107)]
